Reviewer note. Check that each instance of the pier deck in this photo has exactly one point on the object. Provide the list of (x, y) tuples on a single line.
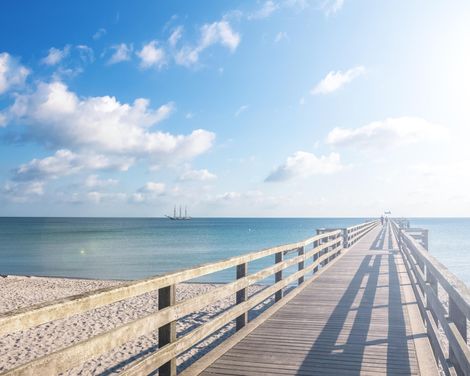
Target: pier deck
[(358, 317), (361, 300)]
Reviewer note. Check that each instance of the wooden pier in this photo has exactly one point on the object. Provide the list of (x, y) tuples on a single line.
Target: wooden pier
[(368, 299), (353, 319)]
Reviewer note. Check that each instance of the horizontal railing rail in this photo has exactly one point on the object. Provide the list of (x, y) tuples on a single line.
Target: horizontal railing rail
[(446, 323), (28, 317), (325, 248), (353, 233)]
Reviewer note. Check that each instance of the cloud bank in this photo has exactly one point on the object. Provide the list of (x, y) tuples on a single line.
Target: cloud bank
[(387, 133), (210, 34), (57, 117), (12, 74), (303, 164)]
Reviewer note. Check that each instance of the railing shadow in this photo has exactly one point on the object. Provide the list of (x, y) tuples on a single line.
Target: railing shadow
[(379, 241), (350, 354), (397, 336), (390, 238), (326, 341)]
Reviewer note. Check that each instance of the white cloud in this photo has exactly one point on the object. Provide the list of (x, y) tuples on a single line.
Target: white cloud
[(153, 187), (64, 162), (12, 74), (151, 55), (229, 196), (215, 33), (282, 35), (57, 117), (219, 32), (99, 197), (85, 53), (21, 192), (149, 192), (93, 181), (175, 36), (332, 6), (197, 175), (335, 80), (304, 164), (100, 33), (387, 133), (266, 10), (241, 110), (122, 52), (299, 4), (247, 200), (3, 120), (56, 55)]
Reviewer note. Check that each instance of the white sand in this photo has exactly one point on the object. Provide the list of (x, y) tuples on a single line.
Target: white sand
[(20, 347)]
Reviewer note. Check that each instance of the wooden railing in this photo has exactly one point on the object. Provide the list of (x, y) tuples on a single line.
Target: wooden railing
[(443, 301), (352, 234), (310, 255)]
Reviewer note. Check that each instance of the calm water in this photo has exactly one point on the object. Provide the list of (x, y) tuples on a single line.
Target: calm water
[(123, 248)]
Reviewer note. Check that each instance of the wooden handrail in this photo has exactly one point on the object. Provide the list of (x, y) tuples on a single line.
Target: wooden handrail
[(354, 233), (427, 275), (325, 247), (35, 315)]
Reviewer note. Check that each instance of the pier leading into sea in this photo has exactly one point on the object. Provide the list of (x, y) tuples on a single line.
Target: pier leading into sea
[(369, 299)]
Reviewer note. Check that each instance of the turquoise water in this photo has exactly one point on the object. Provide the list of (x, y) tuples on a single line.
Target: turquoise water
[(130, 248)]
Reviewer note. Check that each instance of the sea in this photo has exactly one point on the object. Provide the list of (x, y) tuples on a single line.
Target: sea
[(134, 248)]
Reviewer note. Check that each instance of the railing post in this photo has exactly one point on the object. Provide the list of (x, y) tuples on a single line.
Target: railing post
[(400, 238), (167, 333), (344, 234), (331, 249), (432, 281), (315, 256), (460, 321), (241, 296), (425, 239), (278, 276), (320, 231), (301, 264), (340, 246)]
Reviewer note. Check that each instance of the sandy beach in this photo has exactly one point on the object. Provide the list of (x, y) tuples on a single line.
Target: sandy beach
[(20, 347)]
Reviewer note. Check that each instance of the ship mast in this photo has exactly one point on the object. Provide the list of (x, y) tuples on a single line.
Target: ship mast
[(180, 211), (185, 212)]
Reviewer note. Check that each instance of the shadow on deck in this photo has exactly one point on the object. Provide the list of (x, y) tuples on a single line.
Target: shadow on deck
[(352, 320)]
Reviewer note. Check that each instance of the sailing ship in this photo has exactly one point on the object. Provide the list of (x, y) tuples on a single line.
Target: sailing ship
[(179, 217)]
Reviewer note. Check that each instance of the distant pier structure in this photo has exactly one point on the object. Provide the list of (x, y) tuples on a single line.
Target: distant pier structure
[(368, 299)]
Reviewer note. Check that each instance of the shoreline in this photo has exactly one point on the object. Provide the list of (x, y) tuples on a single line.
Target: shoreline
[(23, 346), (95, 279)]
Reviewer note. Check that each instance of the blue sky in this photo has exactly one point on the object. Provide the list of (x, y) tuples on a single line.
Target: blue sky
[(249, 108)]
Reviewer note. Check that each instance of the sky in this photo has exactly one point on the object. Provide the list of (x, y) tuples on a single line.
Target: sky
[(276, 108)]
